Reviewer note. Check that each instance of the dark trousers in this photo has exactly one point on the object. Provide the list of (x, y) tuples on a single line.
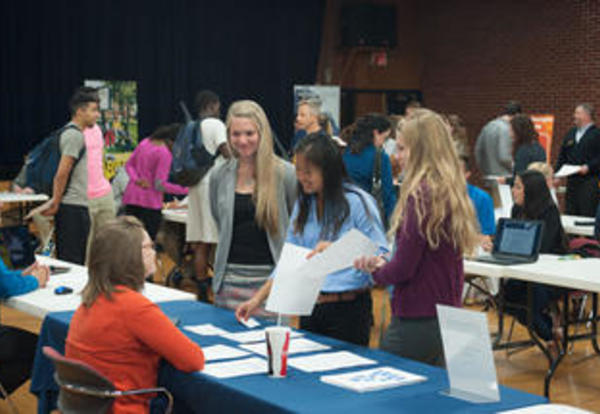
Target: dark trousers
[(71, 226), (149, 217), (17, 349), (515, 292), (582, 196), (347, 321), (418, 339)]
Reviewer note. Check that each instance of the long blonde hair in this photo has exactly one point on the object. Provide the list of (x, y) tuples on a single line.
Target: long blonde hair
[(268, 169), (433, 167)]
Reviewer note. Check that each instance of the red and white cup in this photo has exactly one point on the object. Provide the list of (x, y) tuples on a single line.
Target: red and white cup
[(278, 344)]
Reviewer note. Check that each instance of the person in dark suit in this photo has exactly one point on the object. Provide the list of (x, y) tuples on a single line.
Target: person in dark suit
[(581, 146)]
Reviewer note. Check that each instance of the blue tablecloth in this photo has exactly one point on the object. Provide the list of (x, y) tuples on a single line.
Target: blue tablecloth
[(299, 392)]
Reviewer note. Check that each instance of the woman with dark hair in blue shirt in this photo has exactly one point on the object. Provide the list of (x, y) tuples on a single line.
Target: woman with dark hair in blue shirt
[(328, 206), (362, 156)]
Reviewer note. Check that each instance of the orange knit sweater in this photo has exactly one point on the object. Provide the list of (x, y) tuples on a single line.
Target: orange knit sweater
[(124, 338)]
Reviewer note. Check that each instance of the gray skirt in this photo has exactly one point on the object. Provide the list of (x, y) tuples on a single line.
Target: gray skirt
[(418, 339), (240, 283)]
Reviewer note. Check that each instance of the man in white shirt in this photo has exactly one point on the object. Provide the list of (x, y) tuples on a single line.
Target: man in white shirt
[(201, 229)]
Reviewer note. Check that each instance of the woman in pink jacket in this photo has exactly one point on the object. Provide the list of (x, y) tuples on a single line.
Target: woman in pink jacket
[(148, 170)]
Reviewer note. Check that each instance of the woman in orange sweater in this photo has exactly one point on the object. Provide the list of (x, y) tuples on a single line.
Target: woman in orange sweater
[(116, 329)]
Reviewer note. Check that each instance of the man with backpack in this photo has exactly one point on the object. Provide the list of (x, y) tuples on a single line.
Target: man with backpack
[(201, 229), (69, 201)]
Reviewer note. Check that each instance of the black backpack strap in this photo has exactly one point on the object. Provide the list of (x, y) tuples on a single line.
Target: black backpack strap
[(59, 135), (81, 152)]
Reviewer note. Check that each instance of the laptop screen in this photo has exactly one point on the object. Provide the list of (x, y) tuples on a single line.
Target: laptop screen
[(518, 237)]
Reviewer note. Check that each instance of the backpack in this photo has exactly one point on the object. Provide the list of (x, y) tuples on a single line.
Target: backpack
[(377, 186), (584, 247), (42, 162), (191, 160)]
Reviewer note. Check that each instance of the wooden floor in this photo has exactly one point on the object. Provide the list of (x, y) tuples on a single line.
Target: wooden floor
[(577, 381)]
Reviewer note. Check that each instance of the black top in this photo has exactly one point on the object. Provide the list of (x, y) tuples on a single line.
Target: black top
[(586, 151), (554, 240), (525, 155), (249, 243)]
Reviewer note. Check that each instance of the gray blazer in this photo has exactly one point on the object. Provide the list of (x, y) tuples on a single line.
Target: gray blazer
[(222, 198)]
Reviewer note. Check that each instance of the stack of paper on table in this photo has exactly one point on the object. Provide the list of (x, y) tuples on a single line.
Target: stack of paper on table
[(373, 379), (216, 352), (253, 336), (297, 346), (328, 361), (237, 368), (547, 409), (206, 329)]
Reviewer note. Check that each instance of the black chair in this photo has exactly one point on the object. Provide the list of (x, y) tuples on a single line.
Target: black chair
[(84, 390)]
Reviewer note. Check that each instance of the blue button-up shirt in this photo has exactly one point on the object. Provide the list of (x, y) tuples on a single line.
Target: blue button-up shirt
[(366, 220)]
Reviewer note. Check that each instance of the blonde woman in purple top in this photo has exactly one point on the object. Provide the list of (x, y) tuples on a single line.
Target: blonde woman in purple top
[(434, 224), (148, 169)]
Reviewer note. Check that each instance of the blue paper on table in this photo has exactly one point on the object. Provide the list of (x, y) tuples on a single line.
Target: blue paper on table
[(373, 379)]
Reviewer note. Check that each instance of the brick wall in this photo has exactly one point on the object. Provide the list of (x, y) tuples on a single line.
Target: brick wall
[(478, 54)]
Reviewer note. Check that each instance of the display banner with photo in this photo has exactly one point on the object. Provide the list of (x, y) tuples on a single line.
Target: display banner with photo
[(329, 96), (118, 121), (544, 125)]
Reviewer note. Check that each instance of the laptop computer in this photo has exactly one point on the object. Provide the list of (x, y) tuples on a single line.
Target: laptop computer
[(516, 242), (17, 246)]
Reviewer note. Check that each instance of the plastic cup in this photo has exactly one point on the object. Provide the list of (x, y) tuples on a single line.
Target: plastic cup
[(278, 344)]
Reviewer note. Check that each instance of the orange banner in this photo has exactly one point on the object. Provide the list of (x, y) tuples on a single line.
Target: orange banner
[(544, 125)]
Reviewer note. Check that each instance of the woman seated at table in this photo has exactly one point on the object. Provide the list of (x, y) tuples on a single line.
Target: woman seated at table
[(328, 206), (251, 198), (17, 346), (534, 202), (434, 225), (116, 329)]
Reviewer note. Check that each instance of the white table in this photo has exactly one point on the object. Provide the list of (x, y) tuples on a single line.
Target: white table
[(568, 223), (576, 274), (42, 301), (177, 215), (6, 197), (581, 274)]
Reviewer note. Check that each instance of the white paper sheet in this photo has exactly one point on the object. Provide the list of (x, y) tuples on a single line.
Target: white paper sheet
[(297, 346), (253, 336), (567, 170), (328, 361), (341, 254), (373, 379), (216, 352), (506, 200), (250, 323), (298, 281), (547, 409), (237, 368), (492, 177), (468, 352), (206, 329), (293, 293)]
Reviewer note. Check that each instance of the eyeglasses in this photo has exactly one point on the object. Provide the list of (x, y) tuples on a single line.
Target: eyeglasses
[(149, 246)]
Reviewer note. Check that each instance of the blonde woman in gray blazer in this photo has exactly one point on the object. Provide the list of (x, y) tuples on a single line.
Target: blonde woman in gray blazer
[(251, 199)]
